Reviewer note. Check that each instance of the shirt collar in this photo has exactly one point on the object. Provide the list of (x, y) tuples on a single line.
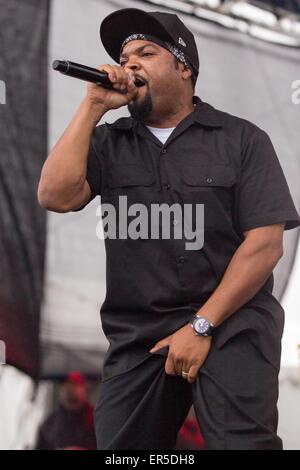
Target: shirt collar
[(204, 114), (122, 123)]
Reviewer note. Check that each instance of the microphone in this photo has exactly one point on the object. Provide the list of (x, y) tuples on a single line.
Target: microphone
[(83, 72)]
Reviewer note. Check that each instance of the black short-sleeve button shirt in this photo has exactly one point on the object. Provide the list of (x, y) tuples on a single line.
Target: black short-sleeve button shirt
[(221, 162)]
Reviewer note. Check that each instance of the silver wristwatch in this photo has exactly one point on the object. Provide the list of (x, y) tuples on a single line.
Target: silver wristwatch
[(202, 326)]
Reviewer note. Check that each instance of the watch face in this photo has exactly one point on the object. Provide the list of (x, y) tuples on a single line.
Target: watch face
[(201, 325)]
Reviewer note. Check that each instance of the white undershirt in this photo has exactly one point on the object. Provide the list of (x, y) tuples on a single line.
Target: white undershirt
[(161, 133)]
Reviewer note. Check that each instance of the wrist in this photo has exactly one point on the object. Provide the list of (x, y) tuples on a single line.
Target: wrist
[(202, 326), (93, 111)]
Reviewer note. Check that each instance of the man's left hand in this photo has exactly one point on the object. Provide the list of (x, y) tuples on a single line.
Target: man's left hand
[(187, 352)]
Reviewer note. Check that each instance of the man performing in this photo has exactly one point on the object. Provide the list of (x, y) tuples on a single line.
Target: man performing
[(186, 326)]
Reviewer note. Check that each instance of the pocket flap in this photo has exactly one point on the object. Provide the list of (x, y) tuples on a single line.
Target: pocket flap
[(129, 175), (209, 175)]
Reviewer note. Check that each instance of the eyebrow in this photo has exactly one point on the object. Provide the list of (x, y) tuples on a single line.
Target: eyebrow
[(138, 49)]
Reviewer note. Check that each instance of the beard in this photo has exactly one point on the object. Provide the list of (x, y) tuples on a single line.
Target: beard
[(141, 110)]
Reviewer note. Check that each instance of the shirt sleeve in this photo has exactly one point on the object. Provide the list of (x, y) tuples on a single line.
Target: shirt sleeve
[(93, 172), (263, 193)]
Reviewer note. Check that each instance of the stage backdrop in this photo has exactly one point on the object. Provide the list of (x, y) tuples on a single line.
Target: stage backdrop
[(23, 146), (239, 74)]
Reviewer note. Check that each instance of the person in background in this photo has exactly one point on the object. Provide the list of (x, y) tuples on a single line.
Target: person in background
[(71, 425), (190, 436)]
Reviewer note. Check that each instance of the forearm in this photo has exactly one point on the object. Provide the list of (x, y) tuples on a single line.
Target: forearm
[(246, 273), (64, 171)]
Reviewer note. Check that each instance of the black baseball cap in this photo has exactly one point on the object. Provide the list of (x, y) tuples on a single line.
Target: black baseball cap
[(120, 24)]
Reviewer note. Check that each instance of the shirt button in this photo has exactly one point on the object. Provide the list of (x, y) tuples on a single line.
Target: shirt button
[(181, 259), (167, 186), (164, 151), (209, 180)]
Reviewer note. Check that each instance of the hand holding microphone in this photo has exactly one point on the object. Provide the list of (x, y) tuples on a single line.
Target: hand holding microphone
[(122, 92), (110, 87)]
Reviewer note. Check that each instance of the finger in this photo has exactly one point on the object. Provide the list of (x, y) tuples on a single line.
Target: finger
[(131, 85), (132, 90), (161, 344), (130, 76), (122, 76), (110, 71), (185, 367), (125, 88), (178, 366), (155, 347), (193, 372), (121, 88), (115, 76), (121, 83), (169, 366)]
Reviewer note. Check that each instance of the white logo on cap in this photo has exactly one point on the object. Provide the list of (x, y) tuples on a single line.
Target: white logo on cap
[(181, 41)]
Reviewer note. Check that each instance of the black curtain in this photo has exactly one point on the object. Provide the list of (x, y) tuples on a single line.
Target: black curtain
[(23, 148)]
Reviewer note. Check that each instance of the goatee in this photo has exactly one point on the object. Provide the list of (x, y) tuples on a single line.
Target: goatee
[(141, 110)]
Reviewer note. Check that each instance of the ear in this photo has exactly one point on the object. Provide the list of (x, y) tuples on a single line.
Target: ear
[(185, 72)]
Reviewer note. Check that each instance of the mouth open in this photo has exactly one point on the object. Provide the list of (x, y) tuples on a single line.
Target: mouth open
[(139, 82)]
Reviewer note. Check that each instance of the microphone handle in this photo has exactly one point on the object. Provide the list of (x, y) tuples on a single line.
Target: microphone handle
[(82, 72)]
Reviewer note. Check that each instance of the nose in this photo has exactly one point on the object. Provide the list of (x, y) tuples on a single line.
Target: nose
[(134, 66)]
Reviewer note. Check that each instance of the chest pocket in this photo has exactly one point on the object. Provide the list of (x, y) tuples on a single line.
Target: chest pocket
[(213, 186), (134, 181), (209, 176), (129, 175)]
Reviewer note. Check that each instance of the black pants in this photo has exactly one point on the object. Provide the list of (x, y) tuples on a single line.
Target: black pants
[(234, 397)]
